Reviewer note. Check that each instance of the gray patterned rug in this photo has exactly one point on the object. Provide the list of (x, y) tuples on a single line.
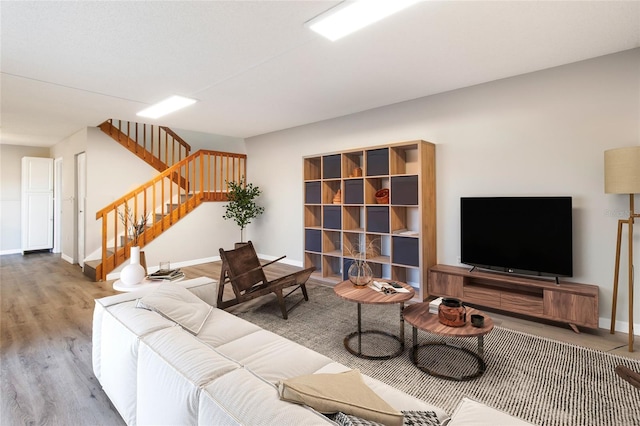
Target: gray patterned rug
[(543, 381)]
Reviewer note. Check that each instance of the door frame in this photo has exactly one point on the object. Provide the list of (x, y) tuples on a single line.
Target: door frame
[(57, 205), (80, 204)]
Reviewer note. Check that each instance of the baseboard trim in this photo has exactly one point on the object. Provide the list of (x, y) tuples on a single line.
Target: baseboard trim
[(13, 251), (621, 326)]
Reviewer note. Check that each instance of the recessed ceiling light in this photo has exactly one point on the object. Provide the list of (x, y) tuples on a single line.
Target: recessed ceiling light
[(167, 106), (349, 16)]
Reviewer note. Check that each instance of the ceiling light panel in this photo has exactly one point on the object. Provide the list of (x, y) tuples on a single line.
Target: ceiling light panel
[(166, 106), (350, 16)]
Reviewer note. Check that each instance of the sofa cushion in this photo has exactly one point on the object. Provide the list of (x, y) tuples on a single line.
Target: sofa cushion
[(177, 304), (273, 357), (242, 398), (473, 413), (345, 392)]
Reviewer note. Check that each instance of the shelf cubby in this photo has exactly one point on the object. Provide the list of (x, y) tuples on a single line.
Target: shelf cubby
[(331, 166), (329, 190), (378, 219), (353, 191), (331, 243), (313, 240), (332, 267), (352, 164), (378, 248), (404, 190), (371, 186), (405, 251), (313, 168), (377, 162), (353, 244), (313, 192), (405, 221), (404, 160), (312, 216), (313, 259), (331, 217), (353, 218)]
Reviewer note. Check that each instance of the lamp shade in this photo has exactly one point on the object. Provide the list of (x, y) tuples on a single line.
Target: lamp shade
[(622, 170)]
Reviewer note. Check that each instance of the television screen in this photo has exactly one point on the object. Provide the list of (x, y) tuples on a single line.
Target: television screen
[(523, 235)]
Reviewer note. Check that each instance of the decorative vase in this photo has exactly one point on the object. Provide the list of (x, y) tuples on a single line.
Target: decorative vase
[(133, 273), (360, 274)]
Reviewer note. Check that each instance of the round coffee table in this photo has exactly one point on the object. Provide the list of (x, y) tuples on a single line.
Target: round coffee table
[(419, 317), (366, 295)]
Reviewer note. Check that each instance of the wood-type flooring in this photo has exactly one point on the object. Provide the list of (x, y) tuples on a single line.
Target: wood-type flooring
[(46, 316)]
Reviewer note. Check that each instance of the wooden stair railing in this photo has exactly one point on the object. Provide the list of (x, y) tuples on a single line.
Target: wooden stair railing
[(158, 146), (164, 202)]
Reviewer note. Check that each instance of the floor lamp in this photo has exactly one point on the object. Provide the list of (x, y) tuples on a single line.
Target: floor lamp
[(622, 176)]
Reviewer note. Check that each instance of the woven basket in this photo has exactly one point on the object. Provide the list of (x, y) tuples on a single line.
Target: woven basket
[(382, 196)]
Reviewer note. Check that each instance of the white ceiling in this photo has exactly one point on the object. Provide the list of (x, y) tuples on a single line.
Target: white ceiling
[(255, 68)]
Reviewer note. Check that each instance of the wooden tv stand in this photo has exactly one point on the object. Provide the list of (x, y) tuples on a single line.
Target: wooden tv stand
[(571, 303)]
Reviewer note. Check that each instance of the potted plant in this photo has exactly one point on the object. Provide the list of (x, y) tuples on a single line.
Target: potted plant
[(242, 207)]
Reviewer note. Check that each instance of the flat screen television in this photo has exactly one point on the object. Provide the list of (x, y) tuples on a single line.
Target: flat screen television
[(520, 235)]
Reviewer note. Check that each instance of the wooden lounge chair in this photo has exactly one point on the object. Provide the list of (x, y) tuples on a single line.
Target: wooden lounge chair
[(242, 269)]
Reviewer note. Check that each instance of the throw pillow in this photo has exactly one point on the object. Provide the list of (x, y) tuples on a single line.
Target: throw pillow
[(411, 418), (177, 304), (342, 392)]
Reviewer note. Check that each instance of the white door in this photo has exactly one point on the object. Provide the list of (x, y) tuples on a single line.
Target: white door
[(37, 203), (81, 196)]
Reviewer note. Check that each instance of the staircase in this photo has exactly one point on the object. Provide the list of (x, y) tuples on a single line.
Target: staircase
[(185, 181)]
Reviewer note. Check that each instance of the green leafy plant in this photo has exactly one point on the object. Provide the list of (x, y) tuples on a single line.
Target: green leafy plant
[(242, 207), (134, 228)]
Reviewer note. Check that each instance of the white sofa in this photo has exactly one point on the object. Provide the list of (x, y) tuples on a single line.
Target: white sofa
[(155, 372)]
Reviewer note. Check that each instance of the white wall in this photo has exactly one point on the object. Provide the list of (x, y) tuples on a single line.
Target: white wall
[(542, 133), (11, 194), (198, 140)]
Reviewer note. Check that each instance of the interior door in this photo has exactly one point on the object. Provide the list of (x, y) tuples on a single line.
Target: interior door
[(37, 203), (81, 196)]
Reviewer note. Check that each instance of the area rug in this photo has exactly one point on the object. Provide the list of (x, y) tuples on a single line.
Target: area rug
[(540, 380)]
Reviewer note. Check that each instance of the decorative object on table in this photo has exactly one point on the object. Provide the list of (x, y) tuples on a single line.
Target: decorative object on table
[(337, 199), (134, 272), (166, 275), (242, 207), (359, 272), (477, 320), (452, 312), (622, 176), (382, 196), (164, 266), (434, 305)]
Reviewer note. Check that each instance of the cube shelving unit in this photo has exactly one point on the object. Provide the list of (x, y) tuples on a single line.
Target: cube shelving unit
[(398, 239)]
